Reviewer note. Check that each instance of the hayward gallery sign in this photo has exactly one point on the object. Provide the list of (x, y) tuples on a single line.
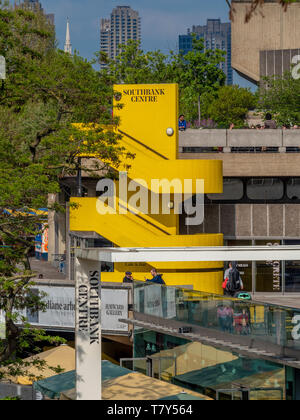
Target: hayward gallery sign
[(60, 308)]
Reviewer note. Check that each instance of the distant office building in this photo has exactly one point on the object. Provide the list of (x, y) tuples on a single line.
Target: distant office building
[(124, 25), (35, 6), (216, 35)]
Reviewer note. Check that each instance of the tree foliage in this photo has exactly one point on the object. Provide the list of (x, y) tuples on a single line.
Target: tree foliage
[(53, 109), (230, 106), (197, 73), (200, 74), (133, 65), (281, 97)]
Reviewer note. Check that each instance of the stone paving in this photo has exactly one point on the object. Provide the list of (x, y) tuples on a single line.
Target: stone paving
[(46, 268), (291, 301)]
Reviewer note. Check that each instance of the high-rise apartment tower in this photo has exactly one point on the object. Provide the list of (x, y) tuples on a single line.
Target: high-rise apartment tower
[(216, 35), (124, 25)]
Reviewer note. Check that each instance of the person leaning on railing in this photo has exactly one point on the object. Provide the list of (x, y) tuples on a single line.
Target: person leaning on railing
[(181, 123), (157, 278), (128, 277)]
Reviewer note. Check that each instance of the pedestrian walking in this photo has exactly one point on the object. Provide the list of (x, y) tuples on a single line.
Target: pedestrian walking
[(233, 283)]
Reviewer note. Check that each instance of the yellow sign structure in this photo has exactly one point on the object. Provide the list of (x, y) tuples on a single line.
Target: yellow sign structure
[(147, 214)]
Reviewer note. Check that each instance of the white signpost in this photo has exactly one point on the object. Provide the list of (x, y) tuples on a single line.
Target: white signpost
[(88, 330)]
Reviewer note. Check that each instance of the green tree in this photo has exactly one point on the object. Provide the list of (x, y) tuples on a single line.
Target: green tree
[(281, 97), (198, 74), (230, 106), (53, 109), (133, 65)]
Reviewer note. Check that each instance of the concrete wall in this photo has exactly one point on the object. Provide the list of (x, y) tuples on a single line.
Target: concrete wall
[(250, 221), (270, 28), (276, 62), (254, 164), (246, 164), (239, 138)]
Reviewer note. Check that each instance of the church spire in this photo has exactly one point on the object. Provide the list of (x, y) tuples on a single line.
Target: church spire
[(68, 45)]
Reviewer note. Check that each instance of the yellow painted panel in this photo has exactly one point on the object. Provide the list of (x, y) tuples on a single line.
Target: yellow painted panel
[(86, 217), (129, 230), (210, 282), (147, 113)]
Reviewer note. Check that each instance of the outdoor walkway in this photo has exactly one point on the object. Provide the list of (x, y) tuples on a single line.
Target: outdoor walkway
[(46, 269), (289, 300), (250, 346)]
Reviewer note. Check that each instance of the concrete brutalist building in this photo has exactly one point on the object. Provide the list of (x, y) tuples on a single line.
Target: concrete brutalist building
[(261, 200), (266, 45)]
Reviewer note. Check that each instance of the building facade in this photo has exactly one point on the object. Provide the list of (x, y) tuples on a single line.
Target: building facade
[(157, 223), (260, 200), (36, 6), (173, 347), (268, 43), (216, 35), (123, 25), (260, 203)]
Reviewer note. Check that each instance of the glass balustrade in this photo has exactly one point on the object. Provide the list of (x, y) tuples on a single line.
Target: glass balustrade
[(260, 321)]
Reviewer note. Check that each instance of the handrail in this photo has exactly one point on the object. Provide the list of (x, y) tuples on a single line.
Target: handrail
[(272, 328)]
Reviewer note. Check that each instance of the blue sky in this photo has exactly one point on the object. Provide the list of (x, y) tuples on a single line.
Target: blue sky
[(162, 21)]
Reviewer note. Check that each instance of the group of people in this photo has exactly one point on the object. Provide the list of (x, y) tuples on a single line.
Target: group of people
[(269, 123), (156, 277), (238, 319), (232, 284), (232, 318)]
